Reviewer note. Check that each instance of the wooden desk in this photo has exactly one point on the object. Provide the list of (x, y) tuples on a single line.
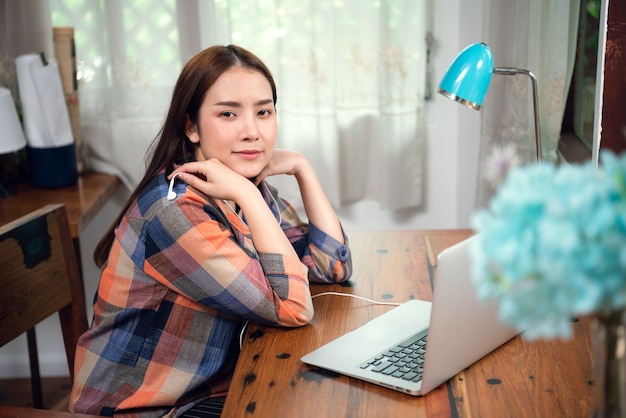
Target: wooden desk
[(548, 378), (83, 200)]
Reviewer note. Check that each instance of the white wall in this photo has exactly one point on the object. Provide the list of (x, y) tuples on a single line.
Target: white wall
[(452, 138)]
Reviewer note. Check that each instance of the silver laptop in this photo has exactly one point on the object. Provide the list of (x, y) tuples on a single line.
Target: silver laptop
[(460, 330)]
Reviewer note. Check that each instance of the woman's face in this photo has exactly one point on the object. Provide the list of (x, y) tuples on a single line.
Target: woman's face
[(237, 122)]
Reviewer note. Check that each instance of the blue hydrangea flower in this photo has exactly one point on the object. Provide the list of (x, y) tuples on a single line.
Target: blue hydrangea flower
[(552, 245)]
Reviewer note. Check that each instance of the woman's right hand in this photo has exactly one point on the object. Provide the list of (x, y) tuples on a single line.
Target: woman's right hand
[(214, 179)]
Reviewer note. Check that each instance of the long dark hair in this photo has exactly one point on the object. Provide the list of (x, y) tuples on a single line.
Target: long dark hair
[(171, 143)]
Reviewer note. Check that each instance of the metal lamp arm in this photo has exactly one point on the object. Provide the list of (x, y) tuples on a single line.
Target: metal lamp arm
[(533, 80)]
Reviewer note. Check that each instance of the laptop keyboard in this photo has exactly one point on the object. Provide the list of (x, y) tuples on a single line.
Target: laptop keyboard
[(404, 360)]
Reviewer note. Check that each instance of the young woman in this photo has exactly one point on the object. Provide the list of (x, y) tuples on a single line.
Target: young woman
[(202, 245)]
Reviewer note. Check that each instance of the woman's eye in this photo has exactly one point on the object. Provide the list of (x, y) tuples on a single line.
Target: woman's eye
[(227, 114), (265, 112)]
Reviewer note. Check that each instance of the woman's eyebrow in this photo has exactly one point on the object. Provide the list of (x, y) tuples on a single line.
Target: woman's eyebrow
[(238, 104), (227, 103)]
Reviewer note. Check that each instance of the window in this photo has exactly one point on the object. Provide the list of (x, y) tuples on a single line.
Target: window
[(578, 121), (128, 32), (348, 72)]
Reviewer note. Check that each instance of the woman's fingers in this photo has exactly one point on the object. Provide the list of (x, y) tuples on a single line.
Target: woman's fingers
[(192, 167)]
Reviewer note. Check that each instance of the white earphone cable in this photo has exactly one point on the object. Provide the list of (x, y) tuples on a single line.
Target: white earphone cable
[(245, 325), (357, 297)]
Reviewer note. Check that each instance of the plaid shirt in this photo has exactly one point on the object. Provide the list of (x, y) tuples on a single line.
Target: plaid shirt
[(181, 278)]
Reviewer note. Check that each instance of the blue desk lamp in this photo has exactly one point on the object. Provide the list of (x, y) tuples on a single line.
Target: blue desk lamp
[(468, 78)]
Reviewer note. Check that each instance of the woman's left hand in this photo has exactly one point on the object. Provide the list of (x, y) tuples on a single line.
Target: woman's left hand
[(282, 162)]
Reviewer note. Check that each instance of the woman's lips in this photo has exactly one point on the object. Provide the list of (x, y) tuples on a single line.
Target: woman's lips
[(248, 154)]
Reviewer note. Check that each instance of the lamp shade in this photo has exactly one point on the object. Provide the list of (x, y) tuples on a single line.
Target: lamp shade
[(468, 77), (11, 134)]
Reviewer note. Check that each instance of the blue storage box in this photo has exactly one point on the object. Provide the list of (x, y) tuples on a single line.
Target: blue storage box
[(52, 167)]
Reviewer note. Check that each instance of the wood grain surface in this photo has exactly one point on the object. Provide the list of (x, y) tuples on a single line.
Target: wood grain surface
[(520, 379)]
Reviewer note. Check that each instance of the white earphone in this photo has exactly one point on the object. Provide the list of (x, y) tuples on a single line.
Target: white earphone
[(171, 194)]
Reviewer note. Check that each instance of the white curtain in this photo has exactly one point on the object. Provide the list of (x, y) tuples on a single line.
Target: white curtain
[(350, 77), (536, 35)]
